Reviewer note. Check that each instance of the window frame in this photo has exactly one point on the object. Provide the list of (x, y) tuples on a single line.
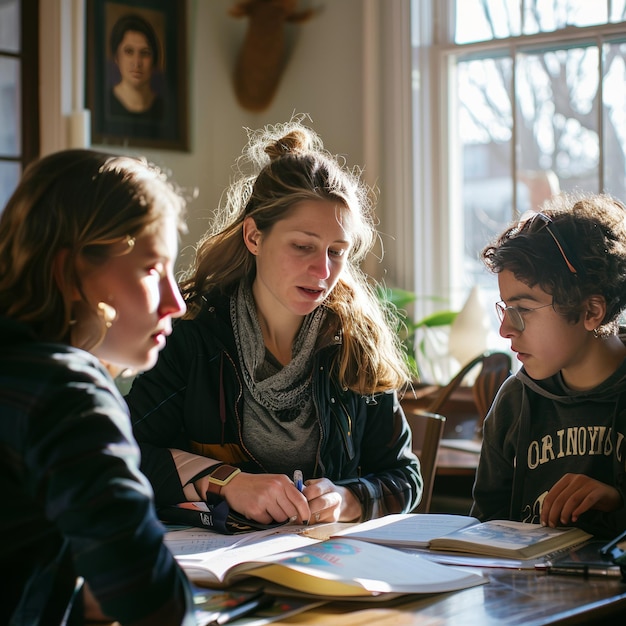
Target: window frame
[(434, 57), (28, 55), (30, 81)]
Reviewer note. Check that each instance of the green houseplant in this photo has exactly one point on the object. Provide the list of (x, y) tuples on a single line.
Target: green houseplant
[(398, 302)]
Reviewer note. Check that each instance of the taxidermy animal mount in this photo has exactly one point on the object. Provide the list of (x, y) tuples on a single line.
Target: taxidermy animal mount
[(261, 60)]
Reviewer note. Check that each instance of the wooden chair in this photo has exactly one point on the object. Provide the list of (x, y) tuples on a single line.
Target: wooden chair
[(496, 368), (427, 430)]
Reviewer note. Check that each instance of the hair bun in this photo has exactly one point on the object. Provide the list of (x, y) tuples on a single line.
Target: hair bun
[(295, 142)]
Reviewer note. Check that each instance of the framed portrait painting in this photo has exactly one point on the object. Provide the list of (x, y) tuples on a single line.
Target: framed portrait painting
[(136, 73)]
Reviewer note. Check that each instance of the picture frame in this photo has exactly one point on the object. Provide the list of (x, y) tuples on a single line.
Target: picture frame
[(136, 73)]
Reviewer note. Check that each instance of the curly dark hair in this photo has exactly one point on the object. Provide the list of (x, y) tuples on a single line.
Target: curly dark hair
[(580, 253)]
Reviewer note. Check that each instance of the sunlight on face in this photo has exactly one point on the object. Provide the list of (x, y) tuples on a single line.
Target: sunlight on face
[(549, 343), (301, 258), (140, 286)]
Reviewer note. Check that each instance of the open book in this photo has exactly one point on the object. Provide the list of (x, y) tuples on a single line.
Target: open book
[(406, 530), (516, 540), (460, 533), (333, 568)]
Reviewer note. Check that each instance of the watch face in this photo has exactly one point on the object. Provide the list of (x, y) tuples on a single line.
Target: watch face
[(223, 475)]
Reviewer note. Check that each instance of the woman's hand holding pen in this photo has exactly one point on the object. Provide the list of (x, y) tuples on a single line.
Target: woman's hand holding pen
[(330, 503), (266, 498)]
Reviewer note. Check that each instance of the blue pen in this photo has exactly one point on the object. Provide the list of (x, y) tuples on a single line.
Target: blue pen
[(297, 480)]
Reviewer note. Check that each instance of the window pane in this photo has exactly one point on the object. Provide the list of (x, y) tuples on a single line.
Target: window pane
[(9, 176), (557, 133), (618, 10), (483, 20), (485, 130), (9, 25), (560, 126), (480, 20), (614, 96), (541, 16), (10, 107)]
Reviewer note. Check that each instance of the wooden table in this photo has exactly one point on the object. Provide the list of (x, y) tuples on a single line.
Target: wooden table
[(451, 462), (511, 597), (522, 598)]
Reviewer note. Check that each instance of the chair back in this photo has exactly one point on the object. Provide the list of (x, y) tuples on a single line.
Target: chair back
[(496, 368), (427, 430)]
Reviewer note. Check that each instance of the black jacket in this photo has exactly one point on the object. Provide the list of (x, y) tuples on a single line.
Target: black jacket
[(192, 400), (75, 503), (539, 430)]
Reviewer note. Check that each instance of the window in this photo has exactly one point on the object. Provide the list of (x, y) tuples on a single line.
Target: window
[(531, 100), (19, 97)]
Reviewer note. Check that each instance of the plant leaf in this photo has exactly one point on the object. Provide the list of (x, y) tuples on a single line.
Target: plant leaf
[(440, 318), (400, 298)]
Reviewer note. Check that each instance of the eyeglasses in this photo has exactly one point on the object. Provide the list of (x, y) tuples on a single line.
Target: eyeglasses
[(516, 314), (546, 222)]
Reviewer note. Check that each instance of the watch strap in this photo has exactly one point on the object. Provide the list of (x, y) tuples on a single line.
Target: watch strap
[(220, 477)]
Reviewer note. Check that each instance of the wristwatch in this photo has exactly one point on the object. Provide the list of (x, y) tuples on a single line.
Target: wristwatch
[(219, 477)]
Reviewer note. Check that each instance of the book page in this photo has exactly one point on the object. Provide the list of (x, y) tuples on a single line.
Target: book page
[(345, 567), (191, 540), (349, 567), (507, 538), (465, 559), (206, 556), (194, 540), (506, 534), (407, 530)]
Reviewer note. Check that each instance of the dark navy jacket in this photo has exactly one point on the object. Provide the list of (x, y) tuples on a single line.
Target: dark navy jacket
[(74, 501), (192, 400)]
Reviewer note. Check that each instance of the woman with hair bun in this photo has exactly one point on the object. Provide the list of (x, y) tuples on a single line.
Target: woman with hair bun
[(285, 360)]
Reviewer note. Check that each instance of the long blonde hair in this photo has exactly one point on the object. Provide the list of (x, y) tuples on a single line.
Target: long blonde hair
[(288, 165), (87, 204)]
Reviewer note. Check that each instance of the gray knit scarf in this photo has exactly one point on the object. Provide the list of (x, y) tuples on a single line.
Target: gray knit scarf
[(277, 400)]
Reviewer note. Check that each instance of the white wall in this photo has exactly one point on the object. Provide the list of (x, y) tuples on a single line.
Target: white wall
[(333, 75), (322, 78)]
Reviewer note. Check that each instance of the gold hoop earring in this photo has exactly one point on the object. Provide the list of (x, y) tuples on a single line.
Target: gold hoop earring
[(108, 313)]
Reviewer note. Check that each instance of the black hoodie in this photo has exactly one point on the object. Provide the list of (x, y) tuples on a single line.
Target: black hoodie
[(537, 431)]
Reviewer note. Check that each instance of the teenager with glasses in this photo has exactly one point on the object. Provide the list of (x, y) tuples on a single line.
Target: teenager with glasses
[(554, 442)]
